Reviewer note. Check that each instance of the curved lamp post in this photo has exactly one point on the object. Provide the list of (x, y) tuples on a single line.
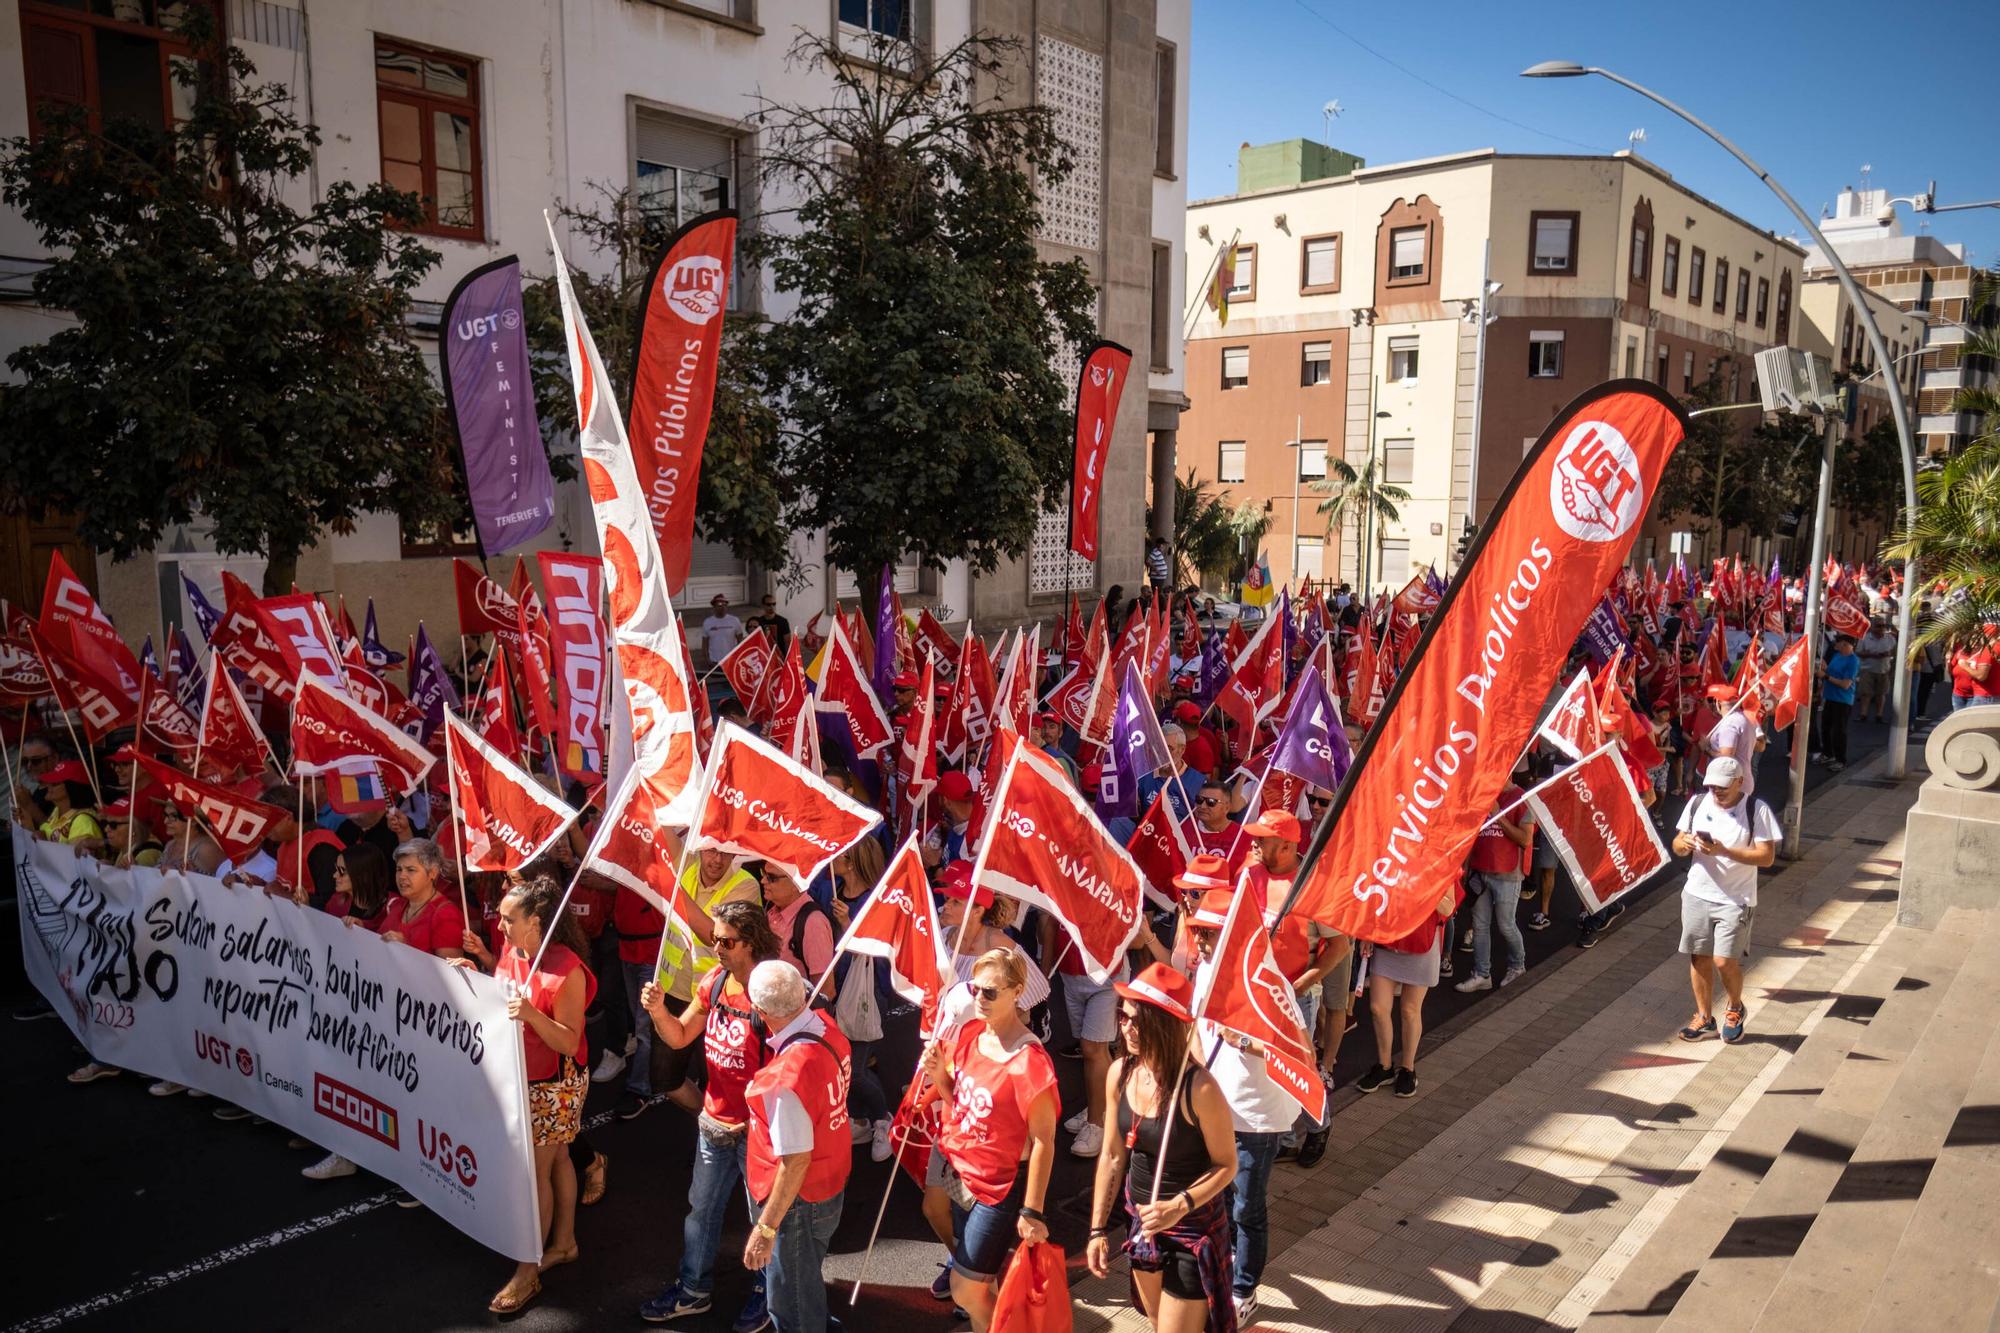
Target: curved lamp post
[(1899, 731)]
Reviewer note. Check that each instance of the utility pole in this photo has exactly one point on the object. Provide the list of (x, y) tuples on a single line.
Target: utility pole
[(1795, 803)]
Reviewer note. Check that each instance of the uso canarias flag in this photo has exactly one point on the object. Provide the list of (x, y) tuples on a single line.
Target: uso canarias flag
[(1466, 705), (759, 802)]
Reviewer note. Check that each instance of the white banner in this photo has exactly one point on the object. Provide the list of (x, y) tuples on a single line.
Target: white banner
[(373, 1050)]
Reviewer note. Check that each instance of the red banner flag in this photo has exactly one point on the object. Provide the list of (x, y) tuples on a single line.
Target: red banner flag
[(1044, 847), (1241, 989), (297, 626), (1256, 683), (331, 731), (898, 923), (1789, 684), (1592, 814), (98, 703), (483, 605), (537, 653), (1466, 706), (759, 802), (240, 824), (75, 624), (784, 700), (1159, 847), (241, 641), (161, 716), (498, 723), (744, 667), (844, 692), (916, 757), (1015, 706), (22, 676), (231, 740), (575, 586), (935, 643), (673, 379), (1418, 597), (968, 713), (1572, 726), (1099, 385), (505, 818), (635, 848)]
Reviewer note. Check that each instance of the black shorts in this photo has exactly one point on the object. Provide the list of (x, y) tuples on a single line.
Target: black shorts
[(1179, 1274)]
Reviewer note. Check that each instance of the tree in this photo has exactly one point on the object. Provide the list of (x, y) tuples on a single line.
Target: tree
[(1727, 474), (741, 496), (231, 356), (921, 410), (1955, 539), (1361, 494), (1210, 537), (1868, 474)]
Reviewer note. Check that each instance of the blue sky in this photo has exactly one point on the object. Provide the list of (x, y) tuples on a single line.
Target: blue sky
[(1811, 91)]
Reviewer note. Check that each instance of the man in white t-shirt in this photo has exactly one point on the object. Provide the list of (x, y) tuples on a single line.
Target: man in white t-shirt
[(1730, 834), (721, 631)]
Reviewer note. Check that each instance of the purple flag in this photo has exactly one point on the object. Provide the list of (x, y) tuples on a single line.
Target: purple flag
[(483, 351), (1312, 744), (189, 686), (1137, 748), (1604, 633), (206, 616), (147, 657), (430, 686), (1432, 581), (372, 651), (885, 641), (1214, 671), (1290, 632)]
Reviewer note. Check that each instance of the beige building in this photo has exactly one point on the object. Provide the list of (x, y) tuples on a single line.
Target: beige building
[(1354, 327)]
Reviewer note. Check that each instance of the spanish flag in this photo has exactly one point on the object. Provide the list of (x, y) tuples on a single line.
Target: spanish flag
[(1218, 287)]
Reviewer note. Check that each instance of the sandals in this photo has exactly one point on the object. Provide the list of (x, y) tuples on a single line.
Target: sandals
[(557, 1258), (503, 1303), (592, 1190)]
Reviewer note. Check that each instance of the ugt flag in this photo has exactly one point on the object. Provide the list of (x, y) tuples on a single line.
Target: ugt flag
[(1099, 384), (483, 354)]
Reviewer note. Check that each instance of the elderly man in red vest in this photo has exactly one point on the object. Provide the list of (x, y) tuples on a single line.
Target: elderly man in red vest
[(800, 1147)]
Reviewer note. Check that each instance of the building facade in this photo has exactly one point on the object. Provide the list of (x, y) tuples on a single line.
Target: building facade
[(498, 109), (1354, 328)]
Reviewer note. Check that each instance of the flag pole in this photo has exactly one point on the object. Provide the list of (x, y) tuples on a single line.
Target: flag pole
[(458, 828), (68, 726)]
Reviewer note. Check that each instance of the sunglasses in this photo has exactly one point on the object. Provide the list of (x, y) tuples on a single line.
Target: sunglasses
[(1319, 800), (1208, 800), (990, 993), (727, 941), (1127, 1017)]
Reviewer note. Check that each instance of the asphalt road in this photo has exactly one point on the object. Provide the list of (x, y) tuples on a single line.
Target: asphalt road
[(143, 1213)]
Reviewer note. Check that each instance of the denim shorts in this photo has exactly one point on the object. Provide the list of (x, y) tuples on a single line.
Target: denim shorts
[(983, 1236)]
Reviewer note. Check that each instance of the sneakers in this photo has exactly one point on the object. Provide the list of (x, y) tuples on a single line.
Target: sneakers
[(1376, 1076), (631, 1106), (631, 1046), (92, 1072), (1539, 921), (860, 1132), (1473, 983), (1701, 1029), (1246, 1306), (1732, 1024), (609, 1066), (1406, 1082), (1075, 1124), (1444, 967), (1465, 942), (1073, 1051), (881, 1149), (1311, 1150), (755, 1316), (404, 1199), (1089, 1141), (166, 1088), (1512, 974), (229, 1113), (941, 1284), (673, 1303), (1586, 938), (330, 1167), (1834, 766)]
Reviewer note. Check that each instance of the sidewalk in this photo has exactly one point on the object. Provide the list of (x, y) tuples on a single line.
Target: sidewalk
[(1560, 1121)]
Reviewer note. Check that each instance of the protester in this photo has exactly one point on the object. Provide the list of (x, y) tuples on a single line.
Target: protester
[(127, 838), (710, 880), (864, 999), (998, 1143), (71, 802), (636, 926), (720, 631), (1877, 652), (1175, 1150), (799, 1152), (946, 840), (1214, 830), (1839, 674), (1501, 856), (1399, 976), (1304, 950), (421, 915), (804, 928), (1973, 680), (187, 848), (775, 627), (1730, 834)]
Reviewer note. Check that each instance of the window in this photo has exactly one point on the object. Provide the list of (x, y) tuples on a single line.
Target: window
[(1696, 259), (420, 540), (1687, 372), (1631, 358), (1319, 264), (1312, 460), (1670, 266), (1235, 367), (1660, 368), (1316, 364), (1783, 332), (1163, 306), (1164, 101), (1763, 301), (1552, 243), (1545, 356), (714, 568), (1847, 338), (866, 22), (680, 170), (1742, 293), (1311, 559), (1408, 247), (116, 61), (1399, 462), (1229, 467), (1243, 284), (1642, 255), (1403, 360), (1721, 284), (1395, 571), (427, 103)]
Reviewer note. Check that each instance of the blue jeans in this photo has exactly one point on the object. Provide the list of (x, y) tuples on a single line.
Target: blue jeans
[(865, 1098), (639, 1073), (1498, 898), (1255, 1156), (796, 1285), (718, 1174), (1959, 701)]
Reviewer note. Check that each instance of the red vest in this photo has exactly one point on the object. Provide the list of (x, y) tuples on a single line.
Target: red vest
[(819, 1077), (539, 989)]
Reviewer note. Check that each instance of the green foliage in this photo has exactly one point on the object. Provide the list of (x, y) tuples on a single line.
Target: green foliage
[(1955, 538), (1361, 494), (921, 411), (741, 497), (1210, 538), (232, 357), (1868, 474), (1729, 473)]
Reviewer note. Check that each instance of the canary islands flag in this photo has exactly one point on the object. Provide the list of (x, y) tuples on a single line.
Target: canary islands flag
[(1257, 589)]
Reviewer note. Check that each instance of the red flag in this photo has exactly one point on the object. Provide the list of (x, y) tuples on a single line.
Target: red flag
[(161, 716), (1363, 677), (1843, 615), (785, 700), (1015, 707), (1256, 683), (230, 736), (22, 676), (916, 758), (1241, 989), (759, 802), (1074, 637), (241, 641), (505, 818), (1749, 668), (483, 605), (240, 824), (497, 721), (331, 731), (1417, 597), (1789, 683), (968, 712), (1572, 726), (1592, 815), (635, 848), (98, 703), (1043, 846), (1714, 659), (744, 667), (1099, 384), (934, 642), (1465, 707), (1234, 640), (296, 625), (673, 379), (898, 924), (845, 692), (575, 586), (1159, 847), (76, 625)]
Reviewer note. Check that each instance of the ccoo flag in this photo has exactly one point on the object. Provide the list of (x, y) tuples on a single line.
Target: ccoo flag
[(483, 353), (1466, 706)]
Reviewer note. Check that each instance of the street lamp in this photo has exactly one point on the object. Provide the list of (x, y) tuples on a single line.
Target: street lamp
[(1899, 731), (1298, 445)]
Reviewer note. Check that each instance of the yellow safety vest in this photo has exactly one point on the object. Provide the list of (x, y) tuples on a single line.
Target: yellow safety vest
[(684, 959)]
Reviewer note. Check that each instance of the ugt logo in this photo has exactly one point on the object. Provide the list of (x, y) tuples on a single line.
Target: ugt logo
[(695, 288), (1595, 490)]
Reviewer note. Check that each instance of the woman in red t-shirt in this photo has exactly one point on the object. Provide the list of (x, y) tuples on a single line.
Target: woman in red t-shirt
[(1001, 1105), (363, 886), (548, 987), (420, 915)]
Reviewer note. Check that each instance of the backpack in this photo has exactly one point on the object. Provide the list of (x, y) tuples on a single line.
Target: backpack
[(806, 913)]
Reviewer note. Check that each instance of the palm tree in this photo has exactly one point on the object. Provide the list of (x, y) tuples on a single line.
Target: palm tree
[(1360, 495), (1209, 536)]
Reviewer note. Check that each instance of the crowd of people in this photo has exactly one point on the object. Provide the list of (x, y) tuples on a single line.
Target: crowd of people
[(793, 1056)]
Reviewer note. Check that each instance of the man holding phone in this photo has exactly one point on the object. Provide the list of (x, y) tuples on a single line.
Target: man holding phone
[(1730, 834)]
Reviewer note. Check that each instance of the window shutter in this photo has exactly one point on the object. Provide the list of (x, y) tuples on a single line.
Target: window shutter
[(58, 65), (1407, 248), (673, 143)]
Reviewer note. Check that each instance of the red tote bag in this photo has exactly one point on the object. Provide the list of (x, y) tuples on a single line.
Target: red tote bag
[(1034, 1294)]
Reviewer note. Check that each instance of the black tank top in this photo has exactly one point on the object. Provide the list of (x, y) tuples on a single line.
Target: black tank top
[(1187, 1152)]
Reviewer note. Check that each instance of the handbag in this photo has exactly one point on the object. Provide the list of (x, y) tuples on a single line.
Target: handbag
[(1034, 1294), (855, 1008)]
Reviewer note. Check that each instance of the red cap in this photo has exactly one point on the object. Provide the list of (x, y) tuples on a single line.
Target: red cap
[(1187, 710), (124, 754), (1163, 988), (907, 681), (1277, 824), (118, 809), (1206, 871), (955, 881), (69, 770), (955, 786), (1046, 716), (1722, 691), (1214, 909)]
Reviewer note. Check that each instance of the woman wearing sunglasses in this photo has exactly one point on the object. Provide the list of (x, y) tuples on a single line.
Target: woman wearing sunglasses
[(1000, 1106), (1168, 1108)]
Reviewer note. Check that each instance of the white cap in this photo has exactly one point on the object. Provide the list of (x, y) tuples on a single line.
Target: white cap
[(1721, 771)]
